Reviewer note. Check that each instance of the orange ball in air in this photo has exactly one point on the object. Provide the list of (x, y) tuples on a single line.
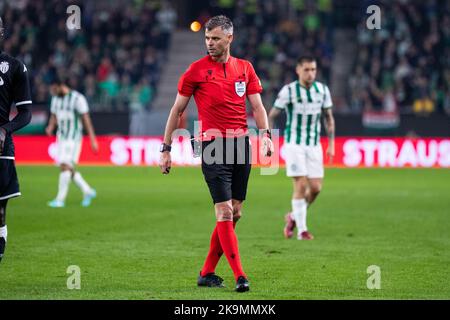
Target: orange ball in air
[(196, 26)]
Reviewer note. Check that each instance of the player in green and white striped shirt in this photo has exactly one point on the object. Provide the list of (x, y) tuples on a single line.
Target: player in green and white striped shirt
[(304, 101), (70, 113)]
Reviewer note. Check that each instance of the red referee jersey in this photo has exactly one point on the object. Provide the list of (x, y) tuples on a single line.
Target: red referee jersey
[(219, 91)]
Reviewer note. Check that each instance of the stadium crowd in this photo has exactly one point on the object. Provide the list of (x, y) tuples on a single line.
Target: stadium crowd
[(114, 59), (405, 64), (272, 33)]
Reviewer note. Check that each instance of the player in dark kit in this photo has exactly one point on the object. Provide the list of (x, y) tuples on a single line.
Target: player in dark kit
[(220, 85), (14, 88)]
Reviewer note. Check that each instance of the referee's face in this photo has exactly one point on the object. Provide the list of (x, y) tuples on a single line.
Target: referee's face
[(217, 42), (307, 71)]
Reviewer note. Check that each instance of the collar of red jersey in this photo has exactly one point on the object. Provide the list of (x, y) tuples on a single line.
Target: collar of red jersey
[(228, 61)]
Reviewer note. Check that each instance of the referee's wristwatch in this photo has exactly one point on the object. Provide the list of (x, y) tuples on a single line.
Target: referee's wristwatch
[(267, 132), (165, 147)]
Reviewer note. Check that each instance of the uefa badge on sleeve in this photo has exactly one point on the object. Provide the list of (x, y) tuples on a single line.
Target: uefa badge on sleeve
[(239, 86), (4, 67)]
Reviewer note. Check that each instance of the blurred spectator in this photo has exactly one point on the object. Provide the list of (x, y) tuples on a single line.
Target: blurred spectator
[(167, 18), (406, 60), (115, 59), (121, 44), (273, 34)]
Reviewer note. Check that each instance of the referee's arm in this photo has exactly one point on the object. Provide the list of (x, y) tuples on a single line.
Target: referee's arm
[(173, 121), (260, 115), (259, 112)]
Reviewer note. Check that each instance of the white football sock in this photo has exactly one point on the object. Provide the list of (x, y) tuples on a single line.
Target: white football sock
[(299, 207), (81, 183), (4, 232), (64, 180)]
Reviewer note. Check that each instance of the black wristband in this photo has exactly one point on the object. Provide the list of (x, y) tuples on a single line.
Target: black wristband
[(269, 133), (165, 147)]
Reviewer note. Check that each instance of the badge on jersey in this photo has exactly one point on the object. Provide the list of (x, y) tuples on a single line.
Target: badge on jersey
[(239, 86), (4, 66)]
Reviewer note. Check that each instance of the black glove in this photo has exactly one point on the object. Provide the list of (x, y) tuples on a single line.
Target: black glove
[(2, 139)]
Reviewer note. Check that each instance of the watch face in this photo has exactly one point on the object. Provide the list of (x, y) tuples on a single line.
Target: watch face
[(164, 147)]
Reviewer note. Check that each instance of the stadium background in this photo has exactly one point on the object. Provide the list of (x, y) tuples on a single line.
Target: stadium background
[(391, 96), (127, 58)]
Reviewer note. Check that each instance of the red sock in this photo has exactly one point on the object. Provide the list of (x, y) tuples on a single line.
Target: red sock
[(214, 254), (229, 243)]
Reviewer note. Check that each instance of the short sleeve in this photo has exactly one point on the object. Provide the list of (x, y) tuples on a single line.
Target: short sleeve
[(282, 98), (187, 84), (82, 105), (254, 84), (327, 103), (21, 86)]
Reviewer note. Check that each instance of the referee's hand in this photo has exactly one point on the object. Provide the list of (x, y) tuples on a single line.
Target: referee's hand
[(165, 162), (266, 146), (2, 139)]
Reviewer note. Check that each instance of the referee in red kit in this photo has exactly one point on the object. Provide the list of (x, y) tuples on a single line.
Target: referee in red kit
[(220, 83)]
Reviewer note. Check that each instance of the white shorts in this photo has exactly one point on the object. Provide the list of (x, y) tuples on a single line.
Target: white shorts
[(303, 161), (68, 152)]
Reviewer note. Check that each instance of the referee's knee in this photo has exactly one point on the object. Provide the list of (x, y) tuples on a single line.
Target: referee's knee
[(224, 211), (237, 214)]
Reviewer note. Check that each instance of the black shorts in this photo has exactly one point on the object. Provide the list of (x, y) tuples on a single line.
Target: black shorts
[(9, 184), (227, 169)]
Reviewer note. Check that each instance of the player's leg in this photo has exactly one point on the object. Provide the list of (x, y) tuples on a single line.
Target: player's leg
[(313, 189), (313, 183), (3, 228), (64, 156), (9, 188), (299, 207), (218, 179), (215, 249), (223, 239), (241, 174), (88, 193), (314, 166), (239, 183), (237, 210), (63, 186), (229, 242), (295, 169)]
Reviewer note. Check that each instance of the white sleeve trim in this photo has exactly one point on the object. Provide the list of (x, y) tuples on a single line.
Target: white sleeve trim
[(24, 102), (11, 196)]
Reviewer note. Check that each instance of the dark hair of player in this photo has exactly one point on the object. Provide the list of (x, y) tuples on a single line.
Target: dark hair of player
[(305, 58), (58, 80)]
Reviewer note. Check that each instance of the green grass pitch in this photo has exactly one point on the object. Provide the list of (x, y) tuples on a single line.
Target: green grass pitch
[(146, 237)]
